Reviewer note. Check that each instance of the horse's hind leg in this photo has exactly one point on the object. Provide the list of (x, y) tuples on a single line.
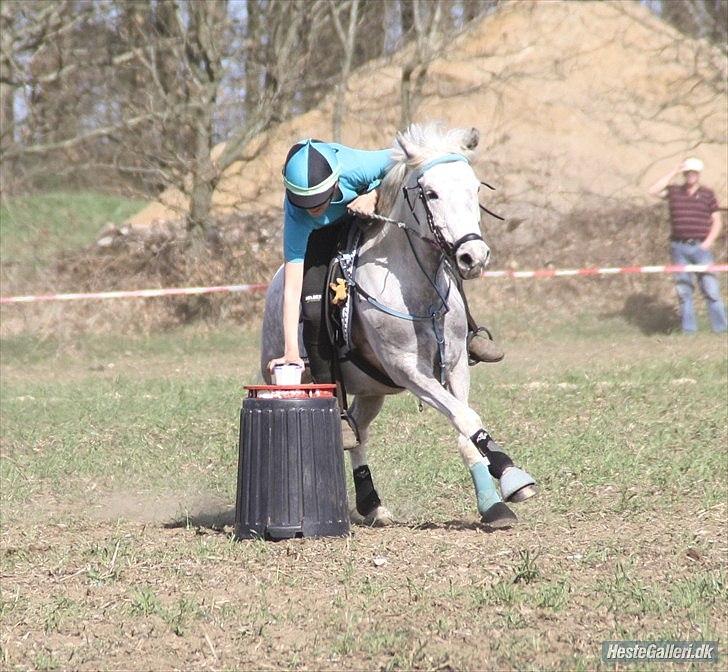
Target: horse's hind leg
[(368, 505)]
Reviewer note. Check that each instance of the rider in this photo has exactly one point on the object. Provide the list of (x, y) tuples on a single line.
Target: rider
[(323, 182)]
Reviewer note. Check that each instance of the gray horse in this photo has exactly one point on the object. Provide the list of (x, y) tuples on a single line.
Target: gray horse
[(410, 318)]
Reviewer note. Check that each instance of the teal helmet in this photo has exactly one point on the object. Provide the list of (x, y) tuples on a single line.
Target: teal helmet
[(310, 173)]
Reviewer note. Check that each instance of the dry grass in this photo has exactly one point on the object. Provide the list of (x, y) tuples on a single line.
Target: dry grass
[(248, 251)]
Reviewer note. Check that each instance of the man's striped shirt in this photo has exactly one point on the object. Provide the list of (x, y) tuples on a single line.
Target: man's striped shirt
[(690, 215)]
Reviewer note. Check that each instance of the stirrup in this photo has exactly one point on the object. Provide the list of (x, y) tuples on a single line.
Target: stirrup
[(478, 330)]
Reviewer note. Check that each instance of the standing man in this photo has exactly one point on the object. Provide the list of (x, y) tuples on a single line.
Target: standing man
[(695, 224)]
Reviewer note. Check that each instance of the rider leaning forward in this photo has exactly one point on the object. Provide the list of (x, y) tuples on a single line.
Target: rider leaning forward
[(325, 183)]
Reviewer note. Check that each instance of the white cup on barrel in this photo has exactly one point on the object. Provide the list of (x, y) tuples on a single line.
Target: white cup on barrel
[(287, 374)]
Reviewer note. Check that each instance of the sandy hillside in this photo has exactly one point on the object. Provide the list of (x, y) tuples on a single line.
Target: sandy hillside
[(579, 104)]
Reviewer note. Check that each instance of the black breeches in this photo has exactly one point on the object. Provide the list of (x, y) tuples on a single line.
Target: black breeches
[(321, 248)]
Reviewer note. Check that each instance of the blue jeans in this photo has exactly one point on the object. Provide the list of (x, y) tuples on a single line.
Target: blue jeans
[(691, 253)]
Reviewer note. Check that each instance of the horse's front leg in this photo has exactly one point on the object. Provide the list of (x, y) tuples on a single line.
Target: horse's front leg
[(516, 485), (368, 505), (476, 446)]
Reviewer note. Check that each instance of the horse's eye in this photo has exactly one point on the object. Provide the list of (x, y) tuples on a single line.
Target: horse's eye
[(431, 195)]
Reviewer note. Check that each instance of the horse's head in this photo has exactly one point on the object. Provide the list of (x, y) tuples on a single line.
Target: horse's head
[(451, 195), (439, 192)]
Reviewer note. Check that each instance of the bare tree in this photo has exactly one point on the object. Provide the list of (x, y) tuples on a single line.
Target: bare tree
[(254, 46), (473, 9), (38, 48), (697, 18), (204, 48), (374, 28), (134, 87), (428, 40), (7, 75), (202, 51), (407, 18), (347, 37), (143, 89)]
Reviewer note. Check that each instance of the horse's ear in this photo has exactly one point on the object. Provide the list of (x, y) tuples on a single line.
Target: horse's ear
[(406, 146), (471, 139)]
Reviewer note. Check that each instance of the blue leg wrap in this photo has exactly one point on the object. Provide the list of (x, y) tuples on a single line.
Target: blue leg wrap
[(485, 489)]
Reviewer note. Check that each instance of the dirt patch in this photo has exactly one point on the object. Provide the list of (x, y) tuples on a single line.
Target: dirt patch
[(652, 314), (168, 510), (445, 595)]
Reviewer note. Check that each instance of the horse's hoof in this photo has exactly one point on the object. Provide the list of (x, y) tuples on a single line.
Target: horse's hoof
[(379, 517), (517, 485), (526, 492), (499, 516)]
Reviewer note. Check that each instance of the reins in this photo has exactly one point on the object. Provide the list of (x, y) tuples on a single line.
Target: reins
[(484, 209)]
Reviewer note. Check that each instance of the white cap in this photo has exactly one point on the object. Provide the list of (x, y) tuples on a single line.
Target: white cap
[(692, 164)]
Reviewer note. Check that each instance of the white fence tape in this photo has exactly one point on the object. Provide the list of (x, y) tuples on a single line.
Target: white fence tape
[(186, 291)]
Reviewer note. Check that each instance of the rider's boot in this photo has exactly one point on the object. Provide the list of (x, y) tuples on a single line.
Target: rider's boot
[(482, 347)]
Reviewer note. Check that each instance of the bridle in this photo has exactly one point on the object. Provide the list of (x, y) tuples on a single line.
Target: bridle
[(450, 250), (447, 248)]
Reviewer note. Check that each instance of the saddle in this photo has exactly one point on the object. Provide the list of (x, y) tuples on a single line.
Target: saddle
[(340, 305)]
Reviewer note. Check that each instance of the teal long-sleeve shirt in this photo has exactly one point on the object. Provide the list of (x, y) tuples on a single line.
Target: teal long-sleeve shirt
[(361, 171)]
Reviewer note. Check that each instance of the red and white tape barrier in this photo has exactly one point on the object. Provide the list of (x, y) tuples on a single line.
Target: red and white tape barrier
[(566, 272), (135, 293), (182, 291)]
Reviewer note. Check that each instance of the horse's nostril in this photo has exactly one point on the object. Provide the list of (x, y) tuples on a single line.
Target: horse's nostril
[(466, 260)]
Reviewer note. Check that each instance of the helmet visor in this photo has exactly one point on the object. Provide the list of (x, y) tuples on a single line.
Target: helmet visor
[(312, 201)]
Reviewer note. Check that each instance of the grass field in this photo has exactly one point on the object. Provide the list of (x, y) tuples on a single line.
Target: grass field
[(118, 481), (34, 228)]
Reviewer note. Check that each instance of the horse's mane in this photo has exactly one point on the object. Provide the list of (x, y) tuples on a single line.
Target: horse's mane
[(423, 142)]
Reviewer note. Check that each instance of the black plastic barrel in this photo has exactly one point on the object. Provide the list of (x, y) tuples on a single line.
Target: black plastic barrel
[(290, 470)]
